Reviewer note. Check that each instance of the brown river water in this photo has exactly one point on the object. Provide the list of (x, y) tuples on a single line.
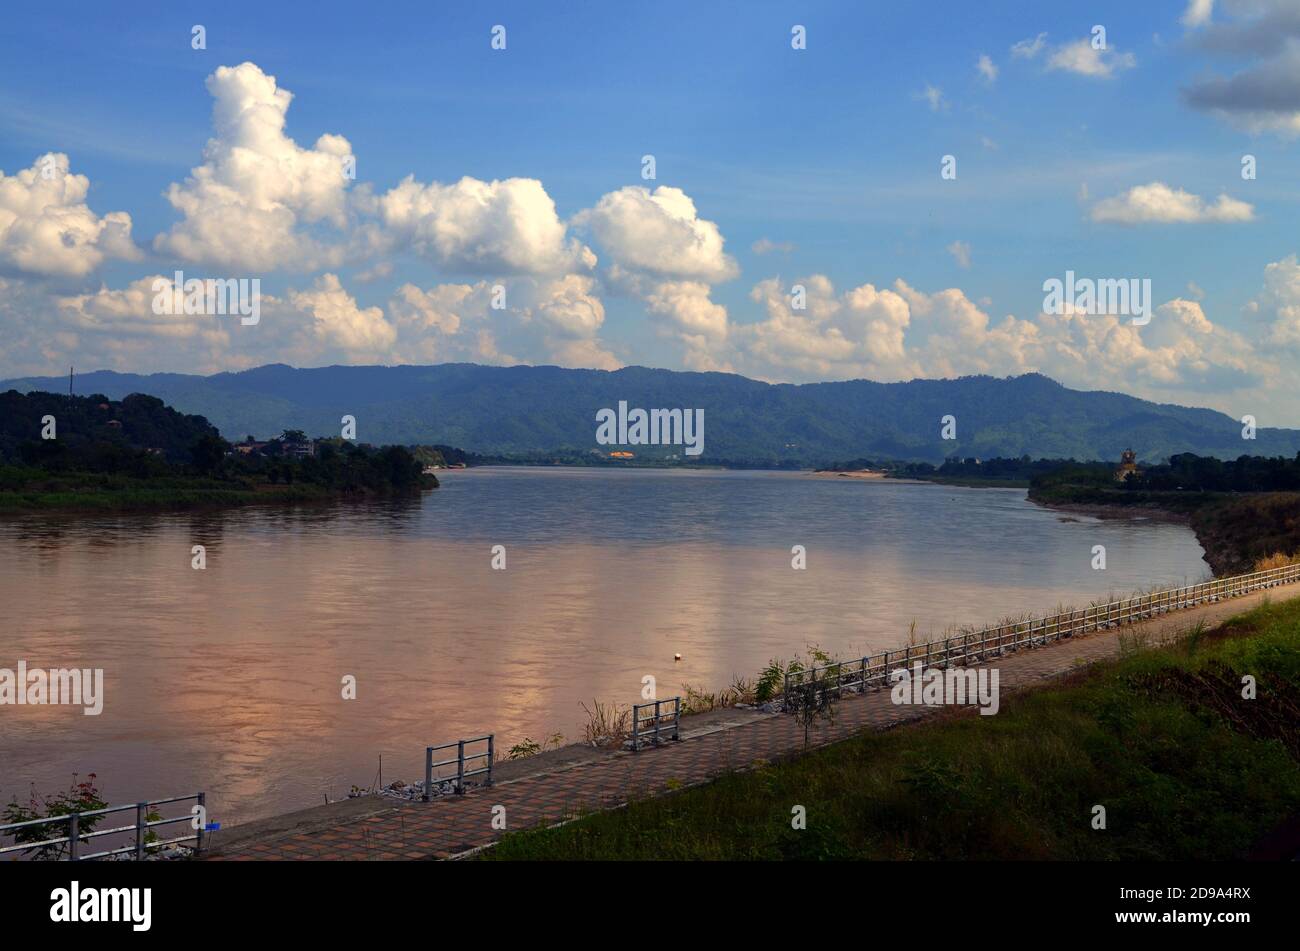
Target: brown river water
[(229, 679)]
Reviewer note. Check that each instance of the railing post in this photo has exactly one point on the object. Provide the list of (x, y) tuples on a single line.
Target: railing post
[(141, 810), (428, 773), (202, 800), (657, 721), (74, 834), (460, 768), (491, 755)]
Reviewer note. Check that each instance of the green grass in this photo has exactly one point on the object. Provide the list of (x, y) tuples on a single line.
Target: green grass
[(1148, 736)]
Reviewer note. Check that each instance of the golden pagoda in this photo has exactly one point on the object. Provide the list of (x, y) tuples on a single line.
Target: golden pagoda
[(1127, 465)]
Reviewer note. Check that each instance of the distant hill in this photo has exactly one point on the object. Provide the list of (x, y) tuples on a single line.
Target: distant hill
[(88, 425), (522, 409)]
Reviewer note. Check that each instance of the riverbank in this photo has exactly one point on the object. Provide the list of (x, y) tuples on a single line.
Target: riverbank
[(90, 493), (148, 496), (88, 453), (162, 487), (851, 473), (1240, 532), (1117, 512), (541, 791), (886, 478), (1023, 784), (971, 483)]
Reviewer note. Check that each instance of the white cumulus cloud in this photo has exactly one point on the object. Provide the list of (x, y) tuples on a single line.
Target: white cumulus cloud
[(1161, 204), (1279, 303), (901, 333), (541, 321), (336, 320), (472, 226), (253, 202), (659, 233), (46, 227), (1083, 59)]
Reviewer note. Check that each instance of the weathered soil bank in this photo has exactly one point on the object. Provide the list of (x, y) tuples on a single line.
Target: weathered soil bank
[(1236, 531)]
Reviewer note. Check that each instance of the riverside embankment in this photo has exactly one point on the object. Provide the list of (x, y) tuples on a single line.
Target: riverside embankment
[(550, 791)]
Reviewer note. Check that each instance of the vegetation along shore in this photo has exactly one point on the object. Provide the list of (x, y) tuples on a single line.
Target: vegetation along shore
[(1245, 512), (92, 453)]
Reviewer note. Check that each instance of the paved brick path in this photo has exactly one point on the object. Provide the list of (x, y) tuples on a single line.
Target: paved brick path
[(451, 825)]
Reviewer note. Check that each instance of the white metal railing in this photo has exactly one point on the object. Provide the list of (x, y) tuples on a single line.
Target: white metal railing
[(977, 646), (651, 722), (69, 844), (460, 759)]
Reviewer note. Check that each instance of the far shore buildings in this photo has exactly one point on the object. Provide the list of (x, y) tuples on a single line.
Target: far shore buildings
[(304, 449), (297, 449)]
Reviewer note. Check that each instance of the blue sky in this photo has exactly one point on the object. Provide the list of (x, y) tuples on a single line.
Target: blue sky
[(831, 155)]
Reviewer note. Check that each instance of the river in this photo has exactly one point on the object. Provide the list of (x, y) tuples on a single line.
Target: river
[(229, 679)]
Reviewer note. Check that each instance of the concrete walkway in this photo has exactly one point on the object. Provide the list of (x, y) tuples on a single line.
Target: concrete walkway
[(582, 780)]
